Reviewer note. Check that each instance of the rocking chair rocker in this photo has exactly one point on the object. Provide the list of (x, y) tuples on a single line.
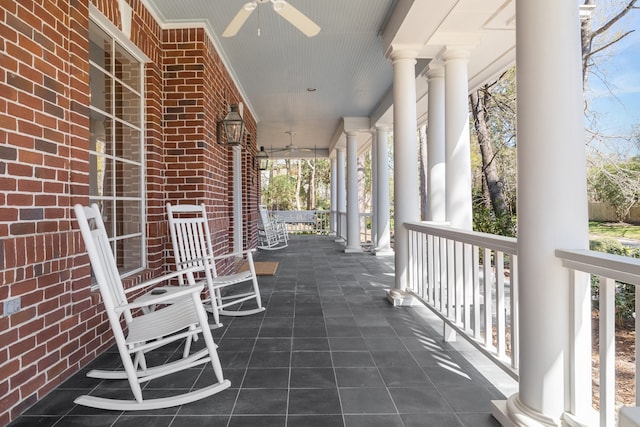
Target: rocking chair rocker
[(147, 329), (192, 246)]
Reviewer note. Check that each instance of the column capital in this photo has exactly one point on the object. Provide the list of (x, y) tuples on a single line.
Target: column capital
[(455, 53), (435, 70), (383, 127), (400, 52)]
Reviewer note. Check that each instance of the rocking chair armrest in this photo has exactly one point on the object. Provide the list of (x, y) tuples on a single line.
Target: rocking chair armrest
[(163, 278), (162, 298), (235, 254)]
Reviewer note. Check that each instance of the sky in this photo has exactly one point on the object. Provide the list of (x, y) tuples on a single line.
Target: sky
[(617, 102)]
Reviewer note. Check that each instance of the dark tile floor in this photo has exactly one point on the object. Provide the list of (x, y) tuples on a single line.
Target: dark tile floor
[(328, 351)]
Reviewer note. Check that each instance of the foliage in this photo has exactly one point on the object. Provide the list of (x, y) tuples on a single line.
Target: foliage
[(499, 100), (616, 183), (625, 299), (279, 183), (485, 221)]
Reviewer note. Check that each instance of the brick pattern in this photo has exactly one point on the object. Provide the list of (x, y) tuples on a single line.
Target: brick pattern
[(44, 170)]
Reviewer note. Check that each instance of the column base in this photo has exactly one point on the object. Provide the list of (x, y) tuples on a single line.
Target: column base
[(629, 416), (513, 413), (383, 252), (355, 250), (400, 298), (332, 234), (339, 240)]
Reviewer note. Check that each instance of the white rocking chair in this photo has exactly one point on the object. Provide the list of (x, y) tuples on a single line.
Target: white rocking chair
[(192, 247), (147, 329), (272, 235)]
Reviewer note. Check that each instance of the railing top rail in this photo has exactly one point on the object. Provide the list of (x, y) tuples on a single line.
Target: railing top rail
[(617, 267), (490, 241)]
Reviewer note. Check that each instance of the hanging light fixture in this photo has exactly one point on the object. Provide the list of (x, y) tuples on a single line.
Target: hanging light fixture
[(232, 126), (263, 159)]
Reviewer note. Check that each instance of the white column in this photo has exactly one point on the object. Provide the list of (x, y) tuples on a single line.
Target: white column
[(237, 199), (334, 207), (436, 169), (457, 145), (383, 223), (552, 202), (374, 192), (405, 146), (353, 213), (340, 194)]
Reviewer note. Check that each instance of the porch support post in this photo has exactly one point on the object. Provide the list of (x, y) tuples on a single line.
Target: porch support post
[(436, 169), (340, 194), (353, 213), (405, 147), (383, 244), (457, 143), (374, 191), (333, 209), (237, 199), (552, 207)]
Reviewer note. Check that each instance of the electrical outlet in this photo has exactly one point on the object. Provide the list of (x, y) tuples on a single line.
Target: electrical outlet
[(11, 306)]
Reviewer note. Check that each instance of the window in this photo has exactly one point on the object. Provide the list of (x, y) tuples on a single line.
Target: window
[(116, 157)]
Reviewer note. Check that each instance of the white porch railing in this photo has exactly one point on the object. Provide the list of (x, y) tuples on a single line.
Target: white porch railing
[(608, 269), (319, 222), (469, 280)]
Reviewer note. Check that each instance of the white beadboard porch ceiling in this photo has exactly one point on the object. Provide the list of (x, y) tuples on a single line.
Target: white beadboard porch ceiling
[(346, 61)]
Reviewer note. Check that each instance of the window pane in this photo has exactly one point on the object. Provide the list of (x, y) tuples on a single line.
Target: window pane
[(100, 84), (127, 68), (129, 147), (127, 105), (100, 47), (128, 254), (100, 128), (106, 208), (129, 217), (128, 178), (100, 183)]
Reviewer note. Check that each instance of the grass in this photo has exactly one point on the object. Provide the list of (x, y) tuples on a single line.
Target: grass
[(614, 230)]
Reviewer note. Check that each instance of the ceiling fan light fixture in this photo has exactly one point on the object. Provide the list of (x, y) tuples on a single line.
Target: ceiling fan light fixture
[(278, 5), (250, 6)]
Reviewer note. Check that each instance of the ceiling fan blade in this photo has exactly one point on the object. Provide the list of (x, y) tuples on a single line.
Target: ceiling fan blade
[(296, 18), (238, 21)]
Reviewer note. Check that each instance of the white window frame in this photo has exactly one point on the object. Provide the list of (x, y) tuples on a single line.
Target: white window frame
[(97, 18)]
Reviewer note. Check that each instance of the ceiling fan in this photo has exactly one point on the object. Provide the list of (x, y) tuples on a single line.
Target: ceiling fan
[(291, 148), (282, 8)]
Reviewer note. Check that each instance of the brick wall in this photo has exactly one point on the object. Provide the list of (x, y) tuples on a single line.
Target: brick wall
[(44, 170)]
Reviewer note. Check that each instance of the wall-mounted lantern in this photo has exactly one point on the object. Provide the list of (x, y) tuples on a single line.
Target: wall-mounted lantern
[(230, 130)]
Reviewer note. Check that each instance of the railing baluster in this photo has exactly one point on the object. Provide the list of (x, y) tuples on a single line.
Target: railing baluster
[(500, 303), (607, 351), (451, 278), (459, 278), (468, 286), (431, 263), (515, 315), (477, 330), (488, 306)]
